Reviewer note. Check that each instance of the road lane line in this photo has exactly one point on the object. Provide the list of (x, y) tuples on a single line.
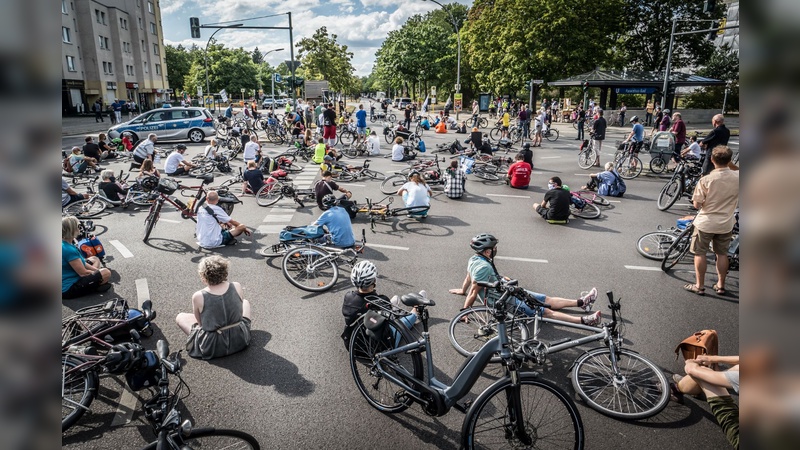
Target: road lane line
[(507, 195), (614, 201), (512, 258), (128, 401), (390, 247), (169, 220), (122, 249), (352, 185), (650, 268), (278, 218), (549, 157), (142, 291)]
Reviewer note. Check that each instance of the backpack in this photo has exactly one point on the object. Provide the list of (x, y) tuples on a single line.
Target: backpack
[(704, 342), (66, 166), (619, 185), (91, 246)]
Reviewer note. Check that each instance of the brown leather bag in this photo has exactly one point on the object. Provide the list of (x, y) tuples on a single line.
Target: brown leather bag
[(703, 342)]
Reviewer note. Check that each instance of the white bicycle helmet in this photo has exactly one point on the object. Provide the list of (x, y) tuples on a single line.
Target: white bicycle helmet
[(363, 274)]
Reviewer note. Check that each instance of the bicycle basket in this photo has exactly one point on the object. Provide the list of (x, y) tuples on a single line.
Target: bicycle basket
[(167, 186)]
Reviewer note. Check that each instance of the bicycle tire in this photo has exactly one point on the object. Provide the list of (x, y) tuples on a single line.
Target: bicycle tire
[(629, 168), (350, 151), (670, 194), (275, 138), (618, 155), (296, 268), (82, 385), (411, 211), (393, 183), (151, 219), (654, 245), (381, 394), (202, 170), (346, 138), (86, 208), (212, 438), (642, 392), (374, 174), (292, 168), (481, 326), (346, 176), (552, 135), (274, 250), (389, 137), (657, 165), (485, 174), (677, 250), (391, 118), (586, 158), (269, 194), (589, 211), (591, 197), (483, 123), (140, 198), (495, 134), (551, 416)]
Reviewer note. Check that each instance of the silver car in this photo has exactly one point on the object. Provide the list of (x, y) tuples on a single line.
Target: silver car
[(180, 123)]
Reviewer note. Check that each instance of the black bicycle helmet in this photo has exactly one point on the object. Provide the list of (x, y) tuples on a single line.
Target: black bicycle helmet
[(329, 201), (483, 241), (526, 145), (123, 357), (634, 119), (180, 147)]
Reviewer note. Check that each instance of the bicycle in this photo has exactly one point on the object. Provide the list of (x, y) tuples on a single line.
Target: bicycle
[(629, 166), (359, 172), (382, 210), (518, 410), (683, 181), (551, 134), (588, 154), (655, 244), (275, 190), (682, 243), (614, 381), (431, 175), (97, 201), (315, 268)]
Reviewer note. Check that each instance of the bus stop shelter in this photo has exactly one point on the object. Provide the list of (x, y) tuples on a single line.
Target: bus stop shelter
[(651, 84)]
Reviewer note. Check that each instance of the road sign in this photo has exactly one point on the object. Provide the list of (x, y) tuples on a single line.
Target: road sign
[(433, 91), (637, 90), (278, 78), (242, 90), (457, 98), (199, 91), (458, 88), (290, 63), (538, 81)]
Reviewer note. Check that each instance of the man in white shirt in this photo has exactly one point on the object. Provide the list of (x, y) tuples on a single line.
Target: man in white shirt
[(693, 150), (176, 164), (252, 150), (210, 220)]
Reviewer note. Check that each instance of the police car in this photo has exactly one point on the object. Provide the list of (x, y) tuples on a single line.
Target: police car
[(194, 124)]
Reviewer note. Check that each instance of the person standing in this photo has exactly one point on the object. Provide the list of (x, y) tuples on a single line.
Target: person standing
[(329, 125), (361, 124), (475, 112), (659, 115), (117, 105), (124, 109), (112, 117), (407, 117), (98, 111), (718, 136), (648, 113), (716, 198), (622, 110), (665, 121), (581, 122), (599, 130), (522, 121), (679, 130)]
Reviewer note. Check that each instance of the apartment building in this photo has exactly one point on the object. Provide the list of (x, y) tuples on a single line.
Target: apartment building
[(112, 49)]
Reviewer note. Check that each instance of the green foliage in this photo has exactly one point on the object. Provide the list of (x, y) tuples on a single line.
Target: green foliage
[(229, 69), (722, 65), (178, 61), (324, 59)]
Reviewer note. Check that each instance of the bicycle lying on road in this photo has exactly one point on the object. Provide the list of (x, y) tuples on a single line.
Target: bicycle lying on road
[(382, 210), (315, 268), (520, 410)]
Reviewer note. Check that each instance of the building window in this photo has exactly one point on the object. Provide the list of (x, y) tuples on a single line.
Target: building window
[(104, 44), (158, 69), (155, 49), (145, 67), (144, 49), (65, 35), (150, 8), (153, 28), (71, 64), (100, 16), (140, 23), (123, 23), (64, 7)]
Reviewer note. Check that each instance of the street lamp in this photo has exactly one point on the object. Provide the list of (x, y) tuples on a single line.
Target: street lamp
[(272, 76), (458, 61), (205, 54)]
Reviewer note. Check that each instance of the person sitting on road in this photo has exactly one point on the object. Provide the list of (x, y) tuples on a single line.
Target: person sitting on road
[(326, 186), (373, 144), (81, 163), (148, 169), (126, 141), (210, 221), (425, 124), (93, 150), (337, 221), (462, 128), (111, 189), (441, 127), (219, 324), (519, 173), (68, 195), (476, 138), (319, 151), (480, 268), (454, 181), (106, 150), (176, 164), (364, 277), (252, 150), (607, 183), (253, 178), (400, 153), (416, 192), (297, 129), (527, 153), (79, 276), (308, 140), (145, 149), (211, 150), (556, 202)]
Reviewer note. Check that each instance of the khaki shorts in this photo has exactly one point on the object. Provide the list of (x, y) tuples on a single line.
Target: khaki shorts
[(701, 241)]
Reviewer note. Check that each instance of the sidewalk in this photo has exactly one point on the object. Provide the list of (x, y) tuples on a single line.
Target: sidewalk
[(76, 126)]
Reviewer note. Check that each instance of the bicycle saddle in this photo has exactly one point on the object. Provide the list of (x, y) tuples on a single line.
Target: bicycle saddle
[(416, 300), (208, 178)]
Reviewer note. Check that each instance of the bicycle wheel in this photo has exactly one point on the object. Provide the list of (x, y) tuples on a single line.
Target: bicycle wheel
[(393, 183), (618, 155), (346, 176), (86, 208), (374, 174), (346, 138), (202, 170), (151, 219), (669, 194), (411, 211), (275, 138), (589, 211), (640, 391), (677, 250), (274, 250), (78, 390), (552, 135), (657, 165), (139, 198), (495, 134), (473, 327), (269, 194), (212, 438), (380, 393), (391, 118), (292, 168), (310, 268), (654, 245), (350, 151), (591, 197), (550, 418), (483, 123), (629, 168), (486, 174), (586, 158), (389, 137)]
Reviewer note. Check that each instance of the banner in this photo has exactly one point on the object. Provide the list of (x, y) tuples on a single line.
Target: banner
[(224, 96)]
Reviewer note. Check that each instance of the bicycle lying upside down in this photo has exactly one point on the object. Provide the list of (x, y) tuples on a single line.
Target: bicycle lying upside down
[(382, 210)]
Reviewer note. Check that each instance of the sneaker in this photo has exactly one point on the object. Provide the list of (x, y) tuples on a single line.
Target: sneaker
[(588, 299), (592, 319), (395, 301), (677, 378)]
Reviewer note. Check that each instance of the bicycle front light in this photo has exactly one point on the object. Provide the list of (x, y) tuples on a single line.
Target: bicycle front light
[(186, 427)]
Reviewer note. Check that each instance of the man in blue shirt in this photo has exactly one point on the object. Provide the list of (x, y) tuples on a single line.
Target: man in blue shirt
[(637, 134), (361, 124), (229, 111), (337, 221), (607, 183)]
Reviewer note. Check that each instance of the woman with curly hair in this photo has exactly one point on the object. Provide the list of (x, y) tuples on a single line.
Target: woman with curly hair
[(219, 324)]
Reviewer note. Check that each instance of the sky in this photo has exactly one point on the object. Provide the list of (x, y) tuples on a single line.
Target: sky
[(362, 25)]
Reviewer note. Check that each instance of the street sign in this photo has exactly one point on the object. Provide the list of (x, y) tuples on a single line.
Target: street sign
[(457, 98), (538, 81), (290, 63), (433, 91), (637, 90), (278, 78), (242, 90), (199, 91), (458, 88)]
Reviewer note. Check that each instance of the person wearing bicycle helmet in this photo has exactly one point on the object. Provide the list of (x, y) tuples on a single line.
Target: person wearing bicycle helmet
[(356, 303), (665, 121), (480, 268), (337, 221), (527, 153), (636, 135), (176, 164)]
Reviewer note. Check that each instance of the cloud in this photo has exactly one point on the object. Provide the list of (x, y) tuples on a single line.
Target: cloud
[(171, 6)]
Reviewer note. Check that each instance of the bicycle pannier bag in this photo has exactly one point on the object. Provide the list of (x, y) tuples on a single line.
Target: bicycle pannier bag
[(289, 234), (703, 342), (167, 186), (377, 328), (91, 247)]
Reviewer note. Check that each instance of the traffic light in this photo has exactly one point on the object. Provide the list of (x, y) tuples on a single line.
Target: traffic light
[(194, 26), (585, 86), (713, 33), (528, 84), (709, 6)]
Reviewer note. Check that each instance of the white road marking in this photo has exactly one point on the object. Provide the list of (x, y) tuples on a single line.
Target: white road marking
[(352, 185), (390, 247), (270, 229), (653, 269), (512, 258), (122, 249), (169, 220), (506, 195), (682, 204), (614, 201), (537, 173), (549, 157), (142, 291), (128, 401), (278, 218)]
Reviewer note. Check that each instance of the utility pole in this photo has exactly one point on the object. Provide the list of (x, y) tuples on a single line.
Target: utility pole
[(669, 63)]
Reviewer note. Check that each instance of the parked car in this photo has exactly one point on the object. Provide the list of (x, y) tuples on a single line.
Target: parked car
[(403, 102), (192, 123)]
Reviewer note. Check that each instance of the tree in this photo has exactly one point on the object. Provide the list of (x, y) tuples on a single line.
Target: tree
[(722, 65), (324, 59), (229, 69), (258, 57), (178, 61)]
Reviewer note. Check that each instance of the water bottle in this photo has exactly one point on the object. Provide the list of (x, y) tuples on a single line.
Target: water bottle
[(158, 158)]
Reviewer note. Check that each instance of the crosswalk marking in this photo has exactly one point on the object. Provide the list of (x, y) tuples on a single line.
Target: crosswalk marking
[(649, 268), (270, 229), (278, 218)]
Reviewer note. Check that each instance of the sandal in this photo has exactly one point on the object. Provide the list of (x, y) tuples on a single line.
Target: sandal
[(691, 287), (719, 290), (675, 394)]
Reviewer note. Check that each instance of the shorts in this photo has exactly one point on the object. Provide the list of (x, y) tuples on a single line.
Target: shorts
[(542, 211), (85, 285), (179, 171), (726, 411), (227, 237), (329, 132), (361, 130), (701, 240), (504, 128)]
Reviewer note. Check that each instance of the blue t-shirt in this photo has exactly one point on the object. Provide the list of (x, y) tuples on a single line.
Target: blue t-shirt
[(607, 183), (638, 132), (338, 222), (68, 275), (229, 112), (361, 118)]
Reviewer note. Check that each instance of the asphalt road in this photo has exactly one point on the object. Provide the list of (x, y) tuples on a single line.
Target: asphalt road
[(292, 388)]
